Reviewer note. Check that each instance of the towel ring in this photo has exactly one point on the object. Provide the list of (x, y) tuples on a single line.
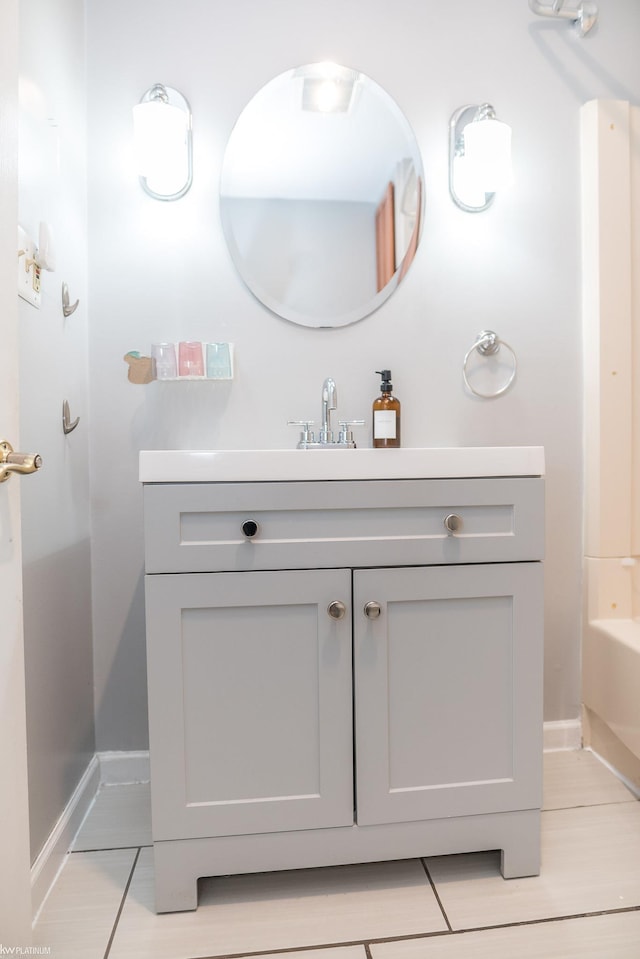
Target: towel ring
[(488, 343)]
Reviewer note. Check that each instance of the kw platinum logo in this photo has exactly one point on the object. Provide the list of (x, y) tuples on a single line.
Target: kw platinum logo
[(25, 950)]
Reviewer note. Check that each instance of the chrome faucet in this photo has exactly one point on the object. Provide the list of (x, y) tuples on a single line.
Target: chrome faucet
[(329, 404), (326, 437)]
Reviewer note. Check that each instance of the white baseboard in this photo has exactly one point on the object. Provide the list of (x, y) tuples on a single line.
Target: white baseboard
[(52, 856), (120, 768), (104, 769), (566, 734)]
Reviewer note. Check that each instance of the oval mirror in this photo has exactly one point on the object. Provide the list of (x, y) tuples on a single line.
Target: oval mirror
[(321, 195)]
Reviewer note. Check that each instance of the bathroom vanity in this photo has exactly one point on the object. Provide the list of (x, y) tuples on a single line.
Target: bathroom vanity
[(344, 658)]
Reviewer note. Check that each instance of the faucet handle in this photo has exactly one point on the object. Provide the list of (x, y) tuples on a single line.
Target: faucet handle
[(306, 434), (304, 423), (345, 436)]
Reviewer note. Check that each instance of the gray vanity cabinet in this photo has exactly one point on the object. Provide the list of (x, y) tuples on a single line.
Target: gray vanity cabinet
[(446, 685), (357, 681), (250, 698)]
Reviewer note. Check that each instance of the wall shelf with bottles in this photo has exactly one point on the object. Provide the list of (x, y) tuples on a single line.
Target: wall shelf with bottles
[(188, 360)]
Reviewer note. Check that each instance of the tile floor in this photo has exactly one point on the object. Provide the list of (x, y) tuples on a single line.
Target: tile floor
[(585, 903)]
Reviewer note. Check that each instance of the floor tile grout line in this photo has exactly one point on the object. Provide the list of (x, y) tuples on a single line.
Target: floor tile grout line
[(367, 950), (548, 919), (436, 894), (514, 925), (318, 946), (436, 934), (590, 805), (134, 845), (122, 902)]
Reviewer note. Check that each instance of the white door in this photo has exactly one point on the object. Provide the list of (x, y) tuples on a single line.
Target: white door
[(15, 895)]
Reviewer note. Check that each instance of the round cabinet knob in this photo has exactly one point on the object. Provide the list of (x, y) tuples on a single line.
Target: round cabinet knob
[(336, 609), (250, 528), (372, 610), (452, 523)]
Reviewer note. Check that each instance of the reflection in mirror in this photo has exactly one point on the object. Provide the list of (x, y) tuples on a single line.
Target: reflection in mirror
[(321, 195)]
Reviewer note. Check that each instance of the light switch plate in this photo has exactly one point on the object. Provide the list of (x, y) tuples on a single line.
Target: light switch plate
[(28, 270)]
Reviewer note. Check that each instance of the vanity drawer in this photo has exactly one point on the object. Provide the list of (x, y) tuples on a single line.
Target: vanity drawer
[(198, 527)]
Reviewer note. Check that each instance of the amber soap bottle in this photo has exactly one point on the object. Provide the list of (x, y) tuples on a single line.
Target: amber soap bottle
[(386, 415)]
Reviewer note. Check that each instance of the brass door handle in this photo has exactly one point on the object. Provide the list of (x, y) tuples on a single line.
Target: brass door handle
[(11, 462)]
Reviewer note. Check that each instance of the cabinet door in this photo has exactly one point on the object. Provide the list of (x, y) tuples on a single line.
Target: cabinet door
[(250, 702), (448, 686)]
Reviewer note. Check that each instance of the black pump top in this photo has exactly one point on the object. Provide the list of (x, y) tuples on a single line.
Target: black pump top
[(386, 386)]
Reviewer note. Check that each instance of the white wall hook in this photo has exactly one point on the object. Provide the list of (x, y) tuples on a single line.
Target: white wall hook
[(67, 425), (66, 308)]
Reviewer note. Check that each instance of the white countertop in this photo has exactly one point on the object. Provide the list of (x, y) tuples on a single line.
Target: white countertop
[(211, 466)]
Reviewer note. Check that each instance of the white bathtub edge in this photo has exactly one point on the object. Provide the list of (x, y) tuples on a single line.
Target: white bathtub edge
[(611, 677)]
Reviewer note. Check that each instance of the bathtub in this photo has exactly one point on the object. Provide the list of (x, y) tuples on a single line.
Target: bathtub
[(611, 693)]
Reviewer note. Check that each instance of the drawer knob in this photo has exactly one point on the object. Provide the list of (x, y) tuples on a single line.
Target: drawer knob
[(452, 523), (250, 528), (336, 609), (372, 610)]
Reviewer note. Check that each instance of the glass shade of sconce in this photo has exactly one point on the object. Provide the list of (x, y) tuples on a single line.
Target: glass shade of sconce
[(163, 143), (479, 157)]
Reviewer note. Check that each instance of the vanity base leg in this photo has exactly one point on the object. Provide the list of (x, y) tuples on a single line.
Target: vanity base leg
[(521, 857), (175, 884)]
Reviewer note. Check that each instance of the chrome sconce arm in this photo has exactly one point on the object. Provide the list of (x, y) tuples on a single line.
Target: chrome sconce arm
[(459, 120), (164, 142), (479, 156)]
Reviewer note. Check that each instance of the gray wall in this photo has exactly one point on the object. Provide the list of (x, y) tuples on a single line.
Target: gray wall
[(162, 270), (53, 360)]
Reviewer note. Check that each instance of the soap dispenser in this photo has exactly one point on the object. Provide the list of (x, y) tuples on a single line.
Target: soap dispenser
[(386, 415)]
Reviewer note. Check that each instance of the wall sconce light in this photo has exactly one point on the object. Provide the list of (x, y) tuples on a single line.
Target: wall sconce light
[(163, 143), (479, 157)]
